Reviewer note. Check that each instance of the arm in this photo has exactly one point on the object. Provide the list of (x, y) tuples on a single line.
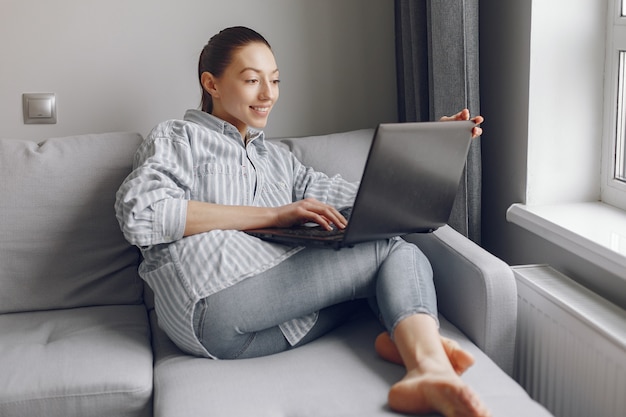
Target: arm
[(310, 193), (332, 190), (204, 217), (154, 204)]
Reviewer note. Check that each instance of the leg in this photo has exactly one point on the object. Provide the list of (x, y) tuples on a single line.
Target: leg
[(407, 301), (241, 321), (431, 384)]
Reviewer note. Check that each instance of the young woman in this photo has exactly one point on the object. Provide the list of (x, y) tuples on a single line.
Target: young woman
[(220, 293)]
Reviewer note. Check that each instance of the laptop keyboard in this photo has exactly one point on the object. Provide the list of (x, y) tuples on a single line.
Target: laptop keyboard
[(315, 231)]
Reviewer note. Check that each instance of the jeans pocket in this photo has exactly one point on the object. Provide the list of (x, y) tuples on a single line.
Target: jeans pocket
[(199, 314)]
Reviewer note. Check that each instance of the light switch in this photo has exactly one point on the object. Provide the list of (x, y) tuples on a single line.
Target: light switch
[(39, 108)]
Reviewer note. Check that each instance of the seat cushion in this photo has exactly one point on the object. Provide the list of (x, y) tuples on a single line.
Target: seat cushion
[(60, 243), (336, 375), (83, 362)]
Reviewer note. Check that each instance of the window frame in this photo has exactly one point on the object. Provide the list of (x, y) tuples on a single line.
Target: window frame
[(613, 191)]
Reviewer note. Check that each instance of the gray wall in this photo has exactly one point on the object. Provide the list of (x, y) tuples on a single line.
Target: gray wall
[(127, 65)]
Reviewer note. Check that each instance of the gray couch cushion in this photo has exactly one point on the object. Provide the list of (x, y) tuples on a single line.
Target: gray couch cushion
[(60, 244), (336, 153), (336, 375), (94, 361)]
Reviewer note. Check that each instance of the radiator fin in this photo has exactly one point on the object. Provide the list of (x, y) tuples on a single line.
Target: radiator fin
[(570, 347)]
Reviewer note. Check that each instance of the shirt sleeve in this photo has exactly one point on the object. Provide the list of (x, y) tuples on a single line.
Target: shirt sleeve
[(335, 190), (151, 204)]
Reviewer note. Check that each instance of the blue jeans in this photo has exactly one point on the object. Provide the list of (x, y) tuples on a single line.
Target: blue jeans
[(242, 321)]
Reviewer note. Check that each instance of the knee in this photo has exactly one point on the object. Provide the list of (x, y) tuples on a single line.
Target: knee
[(414, 254)]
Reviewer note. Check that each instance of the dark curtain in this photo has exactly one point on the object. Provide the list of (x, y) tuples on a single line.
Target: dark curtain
[(437, 75)]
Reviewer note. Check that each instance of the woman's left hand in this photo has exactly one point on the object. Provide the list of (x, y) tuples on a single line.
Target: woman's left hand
[(465, 115)]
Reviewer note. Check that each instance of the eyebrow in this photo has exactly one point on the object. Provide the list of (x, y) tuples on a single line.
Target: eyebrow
[(256, 70)]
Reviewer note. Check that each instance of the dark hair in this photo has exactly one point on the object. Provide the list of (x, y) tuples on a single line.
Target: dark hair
[(218, 53)]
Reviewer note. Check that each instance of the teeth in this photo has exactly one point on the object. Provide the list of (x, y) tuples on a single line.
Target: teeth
[(261, 109)]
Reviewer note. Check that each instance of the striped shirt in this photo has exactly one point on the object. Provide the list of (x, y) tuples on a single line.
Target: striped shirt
[(204, 158)]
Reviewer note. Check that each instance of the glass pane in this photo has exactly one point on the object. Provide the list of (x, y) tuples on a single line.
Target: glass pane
[(620, 137)]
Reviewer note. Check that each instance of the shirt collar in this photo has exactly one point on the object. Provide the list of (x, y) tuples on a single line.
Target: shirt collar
[(215, 123)]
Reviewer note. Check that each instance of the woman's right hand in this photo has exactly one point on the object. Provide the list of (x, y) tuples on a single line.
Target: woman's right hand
[(309, 210)]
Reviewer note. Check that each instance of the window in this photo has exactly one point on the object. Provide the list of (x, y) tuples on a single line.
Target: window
[(618, 172), (614, 154)]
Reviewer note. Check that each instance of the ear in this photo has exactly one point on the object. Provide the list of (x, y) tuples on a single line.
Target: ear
[(209, 83)]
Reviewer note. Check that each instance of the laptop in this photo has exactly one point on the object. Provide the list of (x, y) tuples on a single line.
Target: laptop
[(409, 184)]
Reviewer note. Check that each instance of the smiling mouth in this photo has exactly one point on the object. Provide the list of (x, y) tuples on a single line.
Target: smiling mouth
[(260, 109)]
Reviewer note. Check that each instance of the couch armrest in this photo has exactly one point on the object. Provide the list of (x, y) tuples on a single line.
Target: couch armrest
[(476, 292)]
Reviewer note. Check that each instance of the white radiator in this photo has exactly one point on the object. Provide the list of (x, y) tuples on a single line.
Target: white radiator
[(571, 346)]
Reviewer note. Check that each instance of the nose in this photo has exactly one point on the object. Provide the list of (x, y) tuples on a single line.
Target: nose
[(269, 90)]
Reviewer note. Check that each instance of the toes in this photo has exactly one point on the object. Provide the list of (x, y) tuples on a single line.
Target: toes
[(460, 359), (386, 349)]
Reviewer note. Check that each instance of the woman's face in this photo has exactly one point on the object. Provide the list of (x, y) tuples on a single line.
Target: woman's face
[(247, 90)]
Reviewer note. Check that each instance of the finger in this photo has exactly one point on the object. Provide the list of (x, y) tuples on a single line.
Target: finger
[(335, 218), (462, 115), (476, 131), (478, 119), (326, 215), (323, 222)]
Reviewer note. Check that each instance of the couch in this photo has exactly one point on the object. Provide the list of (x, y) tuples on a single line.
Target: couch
[(79, 336)]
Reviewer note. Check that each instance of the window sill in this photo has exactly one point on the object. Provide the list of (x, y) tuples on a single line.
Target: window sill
[(594, 231)]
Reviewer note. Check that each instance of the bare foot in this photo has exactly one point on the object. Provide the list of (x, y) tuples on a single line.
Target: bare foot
[(460, 359), (386, 349), (435, 391)]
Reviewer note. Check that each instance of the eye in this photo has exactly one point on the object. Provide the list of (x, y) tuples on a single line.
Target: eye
[(276, 82), (252, 81)]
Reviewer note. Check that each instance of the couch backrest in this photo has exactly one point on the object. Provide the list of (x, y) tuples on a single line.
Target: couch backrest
[(336, 153), (60, 243)]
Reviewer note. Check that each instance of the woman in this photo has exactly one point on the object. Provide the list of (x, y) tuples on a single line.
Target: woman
[(220, 293)]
